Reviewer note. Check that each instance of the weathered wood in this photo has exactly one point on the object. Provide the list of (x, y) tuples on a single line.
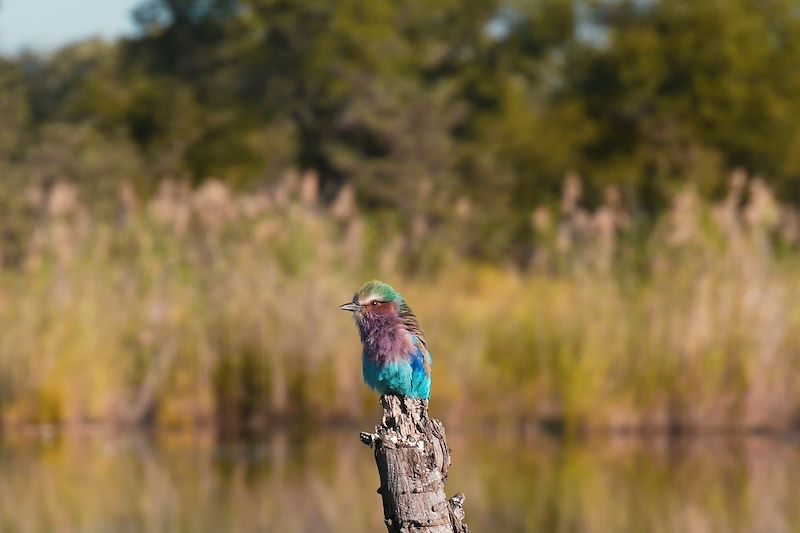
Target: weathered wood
[(413, 459)]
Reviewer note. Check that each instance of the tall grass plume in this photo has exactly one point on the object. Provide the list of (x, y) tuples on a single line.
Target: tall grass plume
[(205, 305)]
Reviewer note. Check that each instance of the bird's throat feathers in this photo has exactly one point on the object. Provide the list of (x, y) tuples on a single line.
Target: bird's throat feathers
[(385, 334), (381, 332)]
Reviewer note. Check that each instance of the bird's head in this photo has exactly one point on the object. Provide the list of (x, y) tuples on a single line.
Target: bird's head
[(374, 299)]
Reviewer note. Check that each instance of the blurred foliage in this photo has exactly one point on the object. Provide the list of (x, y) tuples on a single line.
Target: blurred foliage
[(606, 191), (202, 305), (487, 101)]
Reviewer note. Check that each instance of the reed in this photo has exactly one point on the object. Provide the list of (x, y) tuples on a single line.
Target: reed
[(206, 306)]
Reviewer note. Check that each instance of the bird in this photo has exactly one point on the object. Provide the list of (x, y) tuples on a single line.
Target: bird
[(395, 357)]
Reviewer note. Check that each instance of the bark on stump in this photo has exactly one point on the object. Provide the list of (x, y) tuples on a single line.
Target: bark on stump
[(413, 459)]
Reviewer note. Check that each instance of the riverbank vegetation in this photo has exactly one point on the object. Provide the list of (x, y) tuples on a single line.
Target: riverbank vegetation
[(592, 206), (207, 306)]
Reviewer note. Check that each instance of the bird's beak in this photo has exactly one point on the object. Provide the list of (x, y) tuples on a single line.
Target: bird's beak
[(350, 306)]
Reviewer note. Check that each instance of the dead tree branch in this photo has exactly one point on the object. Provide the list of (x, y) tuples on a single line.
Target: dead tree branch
[(413, 459)]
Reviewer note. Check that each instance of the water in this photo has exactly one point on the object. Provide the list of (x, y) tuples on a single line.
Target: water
[(105, 482)]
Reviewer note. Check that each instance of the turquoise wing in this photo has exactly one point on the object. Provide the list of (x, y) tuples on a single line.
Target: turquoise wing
[(420, 370)]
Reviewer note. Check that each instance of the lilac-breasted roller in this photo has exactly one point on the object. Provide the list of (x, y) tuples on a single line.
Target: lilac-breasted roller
[(395, 358)]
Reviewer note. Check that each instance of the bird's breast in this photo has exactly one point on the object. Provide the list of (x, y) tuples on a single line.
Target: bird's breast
[(386, 345)]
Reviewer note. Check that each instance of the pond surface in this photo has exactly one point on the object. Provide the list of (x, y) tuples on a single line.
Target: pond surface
[(105, 482)]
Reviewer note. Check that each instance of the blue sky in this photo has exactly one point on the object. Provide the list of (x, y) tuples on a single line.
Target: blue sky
[(47, 24)]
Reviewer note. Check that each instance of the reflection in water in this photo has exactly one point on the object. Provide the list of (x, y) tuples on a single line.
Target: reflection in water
[(326, 482)]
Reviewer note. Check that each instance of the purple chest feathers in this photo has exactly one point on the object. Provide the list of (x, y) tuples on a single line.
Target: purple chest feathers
[(384, 339)]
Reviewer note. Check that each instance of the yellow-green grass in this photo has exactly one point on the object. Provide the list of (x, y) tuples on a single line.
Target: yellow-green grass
[(208, 307)]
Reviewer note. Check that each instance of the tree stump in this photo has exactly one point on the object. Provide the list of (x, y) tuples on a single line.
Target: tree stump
[(413, 459)]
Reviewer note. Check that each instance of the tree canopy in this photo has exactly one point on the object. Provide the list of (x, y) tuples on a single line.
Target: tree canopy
[(422, 103)]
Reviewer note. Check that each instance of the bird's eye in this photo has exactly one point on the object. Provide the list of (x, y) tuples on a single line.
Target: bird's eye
[(376, 302)]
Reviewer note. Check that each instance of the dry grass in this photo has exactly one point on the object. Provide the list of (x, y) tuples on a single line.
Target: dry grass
[(204, 305)]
